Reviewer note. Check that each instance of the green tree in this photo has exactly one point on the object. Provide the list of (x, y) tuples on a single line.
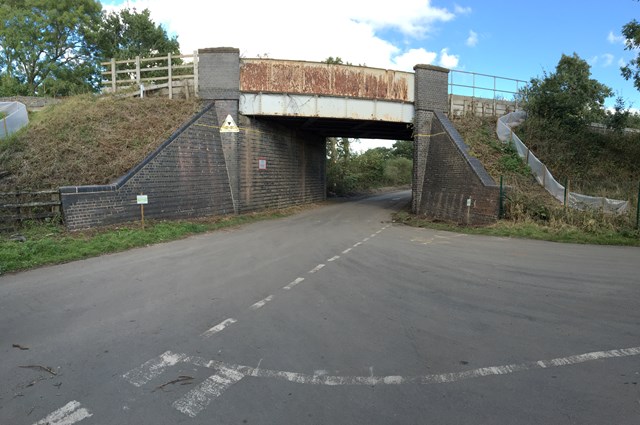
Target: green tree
[(128, 33), (569, 95), (403, 149), (48, 41), (631, 71)]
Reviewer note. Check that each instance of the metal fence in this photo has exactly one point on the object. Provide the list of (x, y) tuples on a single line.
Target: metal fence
[(482, 94)]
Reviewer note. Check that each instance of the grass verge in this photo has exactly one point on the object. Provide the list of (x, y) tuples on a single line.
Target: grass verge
[(48, 243), (529, 230)]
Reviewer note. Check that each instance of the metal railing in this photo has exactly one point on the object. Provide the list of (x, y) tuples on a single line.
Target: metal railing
[(482, 94)]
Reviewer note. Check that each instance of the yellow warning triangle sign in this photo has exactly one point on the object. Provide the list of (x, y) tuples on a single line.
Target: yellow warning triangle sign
[(229, 126)]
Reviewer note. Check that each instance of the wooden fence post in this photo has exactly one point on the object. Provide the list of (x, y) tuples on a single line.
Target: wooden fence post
[(138, 70), (170, 75), (113, 75), (195, 73)]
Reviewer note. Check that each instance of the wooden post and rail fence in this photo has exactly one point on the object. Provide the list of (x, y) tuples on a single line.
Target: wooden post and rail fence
[(135, 77), (18, 207)]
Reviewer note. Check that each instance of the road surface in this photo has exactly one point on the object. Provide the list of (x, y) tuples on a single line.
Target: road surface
[(333, 316)]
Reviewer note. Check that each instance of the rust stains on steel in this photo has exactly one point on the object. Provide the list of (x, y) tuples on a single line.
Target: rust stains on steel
[(274, 76)]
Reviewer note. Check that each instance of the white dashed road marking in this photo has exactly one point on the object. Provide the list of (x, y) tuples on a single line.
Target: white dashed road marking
[(347, 250), (68, 414), (294, 283), (316, 268), (334, 258), (217, 328), (261, 303)]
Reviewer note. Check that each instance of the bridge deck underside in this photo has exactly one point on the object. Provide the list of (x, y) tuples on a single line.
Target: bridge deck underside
[(332, 127)]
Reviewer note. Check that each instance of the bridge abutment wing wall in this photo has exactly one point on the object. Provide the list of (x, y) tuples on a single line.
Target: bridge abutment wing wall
[(185, 177), (448, 184)]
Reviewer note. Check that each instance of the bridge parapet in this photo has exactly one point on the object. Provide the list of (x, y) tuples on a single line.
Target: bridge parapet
[(315, 78)]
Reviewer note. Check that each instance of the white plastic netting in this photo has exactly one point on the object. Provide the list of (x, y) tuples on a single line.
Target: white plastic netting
[(504, 129), (13, 116)]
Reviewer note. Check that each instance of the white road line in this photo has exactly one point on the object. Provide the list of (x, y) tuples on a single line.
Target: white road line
[(347, 250), (68, 414), (317, 379), (357, 244), (152, 368), (373, 235), (217, 328), (365, 239), (294, 283), (334, 258), (378, 232), (261, 303), (199, 398), (316, 268)]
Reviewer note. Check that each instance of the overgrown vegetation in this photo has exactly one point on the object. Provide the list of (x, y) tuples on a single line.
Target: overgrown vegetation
[(600, 165), (349, 172), (88, 140)]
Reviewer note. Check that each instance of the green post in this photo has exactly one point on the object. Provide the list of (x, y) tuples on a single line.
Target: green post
[(638, 210), (501, 203)]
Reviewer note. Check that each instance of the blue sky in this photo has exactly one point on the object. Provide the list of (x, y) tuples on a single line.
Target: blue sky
[(514, 39)]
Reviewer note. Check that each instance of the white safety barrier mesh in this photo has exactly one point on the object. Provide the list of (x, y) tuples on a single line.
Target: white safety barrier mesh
[(13, 116), (545, 178)]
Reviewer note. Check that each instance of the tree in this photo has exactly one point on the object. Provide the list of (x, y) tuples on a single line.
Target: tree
[(403, 149), (568, 95), (631, 71), (129, 33), (46, 41)]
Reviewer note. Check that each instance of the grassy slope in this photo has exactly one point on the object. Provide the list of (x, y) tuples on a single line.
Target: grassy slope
[(87, 140)]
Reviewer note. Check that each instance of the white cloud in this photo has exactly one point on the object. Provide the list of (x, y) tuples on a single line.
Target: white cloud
[(622, 62), (447, 60), (593, 61), (472, 40), (460, 10), (282, 29), (406, 61), (607, 59), (615, 39)]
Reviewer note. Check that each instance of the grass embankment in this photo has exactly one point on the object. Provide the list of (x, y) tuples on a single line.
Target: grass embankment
[(530, 212), (47, 243), (88, 140)]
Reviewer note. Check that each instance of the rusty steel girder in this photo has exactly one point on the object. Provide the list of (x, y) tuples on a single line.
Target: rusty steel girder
[(298, 77)]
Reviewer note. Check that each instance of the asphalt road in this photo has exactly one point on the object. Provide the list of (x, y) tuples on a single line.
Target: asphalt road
[(332, 316)]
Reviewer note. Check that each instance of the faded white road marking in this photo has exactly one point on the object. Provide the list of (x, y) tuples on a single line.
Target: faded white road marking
[(294, 283), (68, 414), (217, 328), (373, 235), (347, 250), (357, 244), (378, 232), (152, 368), (321, 379), (334, 258), (316, 268), (199, 398), (261, 303), (365, 239)]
